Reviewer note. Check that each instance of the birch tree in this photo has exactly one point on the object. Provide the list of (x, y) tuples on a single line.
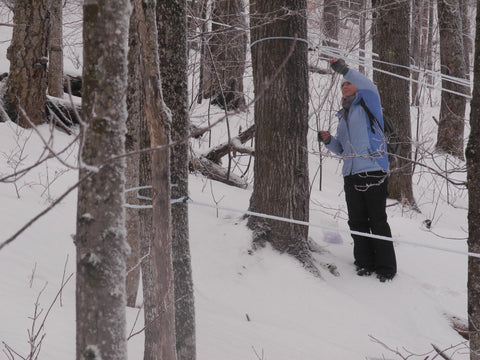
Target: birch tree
[(100, 237)]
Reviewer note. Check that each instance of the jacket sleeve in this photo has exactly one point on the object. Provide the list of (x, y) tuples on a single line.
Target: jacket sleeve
[(360, 81), (335, 146), (368, 91)]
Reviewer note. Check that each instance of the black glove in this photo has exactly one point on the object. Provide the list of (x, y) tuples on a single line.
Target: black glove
[(339, 66), (324, 136)]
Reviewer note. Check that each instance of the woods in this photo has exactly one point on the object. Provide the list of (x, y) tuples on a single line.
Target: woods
[(147, 69)]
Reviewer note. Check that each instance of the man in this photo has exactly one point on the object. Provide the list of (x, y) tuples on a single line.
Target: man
[(362, 146)]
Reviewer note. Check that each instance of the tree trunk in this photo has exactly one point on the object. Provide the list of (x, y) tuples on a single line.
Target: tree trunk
[(173, 53), (416, 48), (391, 43), (55, 49), (473, 177), (430, 40), (146, 236), (136, 116), (452, 109), (466, 35), (280, 74), (27, 80), (363, 34), (100, 238), (331, 18), (159, 288), (225, 55)]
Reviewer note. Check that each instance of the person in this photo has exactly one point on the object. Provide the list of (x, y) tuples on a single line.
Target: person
[(362, 146)]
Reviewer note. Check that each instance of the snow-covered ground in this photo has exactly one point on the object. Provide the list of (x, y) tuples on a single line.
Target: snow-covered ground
[(248, 305)]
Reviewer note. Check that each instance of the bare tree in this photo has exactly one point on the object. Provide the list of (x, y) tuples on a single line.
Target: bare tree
[(466, 34), (450, 138), (100, 237), (416, 47), (136, 116), (27, 80), (362, 27), (331, 18), (280, 72), (55, 49), (225, 55), (173, 53), (392, 46), (157, 268), (473, 177)]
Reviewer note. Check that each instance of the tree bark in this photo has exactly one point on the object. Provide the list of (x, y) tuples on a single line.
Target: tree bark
[(391, 43), (363, 34), (416, 48), (473, 177), (27, 80), (280, 73), (135, 118), (159, 299), (100, 238), (55, 49), (173, 54), (452, 109)]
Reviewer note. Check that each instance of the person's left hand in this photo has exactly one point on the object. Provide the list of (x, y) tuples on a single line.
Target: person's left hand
[(339, 66)]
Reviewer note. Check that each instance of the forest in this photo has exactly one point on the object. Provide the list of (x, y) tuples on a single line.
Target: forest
[(151, 93)]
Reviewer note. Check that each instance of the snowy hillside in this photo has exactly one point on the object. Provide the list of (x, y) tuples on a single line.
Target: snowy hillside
[(250, 305)]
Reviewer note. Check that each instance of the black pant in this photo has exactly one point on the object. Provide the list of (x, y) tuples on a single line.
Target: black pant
[(366, 197)]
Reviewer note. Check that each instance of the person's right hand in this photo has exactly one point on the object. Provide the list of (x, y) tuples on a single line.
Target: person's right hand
[(324, 136)]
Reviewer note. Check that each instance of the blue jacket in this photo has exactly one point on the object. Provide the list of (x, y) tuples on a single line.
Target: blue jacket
[(361, 149)]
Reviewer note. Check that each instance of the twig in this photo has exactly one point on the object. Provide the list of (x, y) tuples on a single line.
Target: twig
[(440, 352)]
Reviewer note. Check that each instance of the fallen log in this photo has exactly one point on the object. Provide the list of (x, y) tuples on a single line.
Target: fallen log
[(214, 171), (235, 145), (63, 113)]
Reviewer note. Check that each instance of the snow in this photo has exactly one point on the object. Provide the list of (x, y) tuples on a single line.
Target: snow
[(249, 304)]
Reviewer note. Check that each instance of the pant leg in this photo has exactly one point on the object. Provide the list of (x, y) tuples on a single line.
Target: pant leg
[(376, 198), (363, 249)]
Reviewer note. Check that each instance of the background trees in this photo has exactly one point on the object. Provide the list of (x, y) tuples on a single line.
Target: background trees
[(452, 56), (27, 80), (391, 43), (55, 49), (225, 54)]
